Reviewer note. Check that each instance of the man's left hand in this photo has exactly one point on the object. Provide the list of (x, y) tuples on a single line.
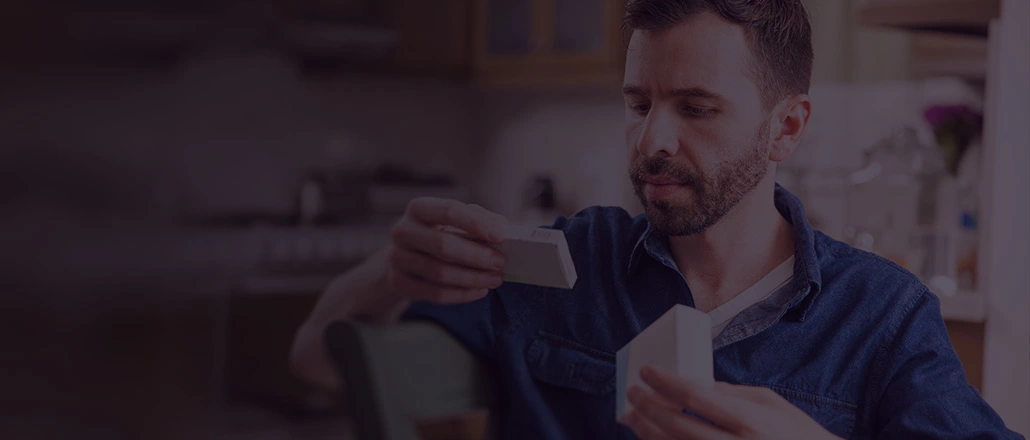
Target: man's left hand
[(737, 411)]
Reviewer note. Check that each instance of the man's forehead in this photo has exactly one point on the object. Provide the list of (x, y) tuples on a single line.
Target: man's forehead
[(704, 52)]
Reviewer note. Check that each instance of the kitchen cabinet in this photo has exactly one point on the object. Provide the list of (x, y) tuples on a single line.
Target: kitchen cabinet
[(967, 338), (434, 38), (940, 54), (949, 36), (970, 17), (518, 41), (509, 42)]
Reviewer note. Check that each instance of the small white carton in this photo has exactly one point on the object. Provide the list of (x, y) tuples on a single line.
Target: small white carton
[(680, 341), (538, 256)]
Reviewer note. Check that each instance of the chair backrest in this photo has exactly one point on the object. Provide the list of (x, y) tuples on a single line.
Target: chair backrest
[(394, 375)]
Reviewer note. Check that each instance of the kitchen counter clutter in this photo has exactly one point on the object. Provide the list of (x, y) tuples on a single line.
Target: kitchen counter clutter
[(260, 255)]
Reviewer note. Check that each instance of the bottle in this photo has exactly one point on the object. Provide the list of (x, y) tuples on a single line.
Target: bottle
[(968, 219)]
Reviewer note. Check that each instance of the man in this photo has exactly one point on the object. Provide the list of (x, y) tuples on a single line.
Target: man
[(812, 338)]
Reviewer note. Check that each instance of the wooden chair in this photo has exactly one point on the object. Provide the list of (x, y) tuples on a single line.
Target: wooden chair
[(409, 381)]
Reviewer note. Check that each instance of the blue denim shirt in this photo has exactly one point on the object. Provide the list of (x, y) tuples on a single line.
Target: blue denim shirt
[(858, 343)]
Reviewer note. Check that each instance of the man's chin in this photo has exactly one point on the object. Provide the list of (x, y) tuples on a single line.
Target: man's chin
[(674, 219), (682, 201)]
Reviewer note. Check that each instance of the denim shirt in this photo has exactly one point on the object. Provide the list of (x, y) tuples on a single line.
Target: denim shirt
[(858, 343)]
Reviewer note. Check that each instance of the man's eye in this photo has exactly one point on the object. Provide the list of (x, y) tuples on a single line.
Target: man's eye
[(641, 108), (698, 112)]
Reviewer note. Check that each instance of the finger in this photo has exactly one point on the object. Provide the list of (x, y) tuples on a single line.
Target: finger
[(416, 289), (696, 397), (475, 220), (493, 217), (430, 269), (643, 427), (670, 419), (446, 246), (636, 392)]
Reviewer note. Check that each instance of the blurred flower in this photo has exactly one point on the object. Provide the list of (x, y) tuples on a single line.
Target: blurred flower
[(954, 127)]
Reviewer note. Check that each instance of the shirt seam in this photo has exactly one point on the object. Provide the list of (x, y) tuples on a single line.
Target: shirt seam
[(806, 395), (577, 346), (878, 373)]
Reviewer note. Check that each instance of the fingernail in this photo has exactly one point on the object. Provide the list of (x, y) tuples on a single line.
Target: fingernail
[(497, 261), (646, 372), (634, 394)]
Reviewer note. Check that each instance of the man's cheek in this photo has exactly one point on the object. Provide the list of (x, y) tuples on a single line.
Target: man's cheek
[(634, 125)]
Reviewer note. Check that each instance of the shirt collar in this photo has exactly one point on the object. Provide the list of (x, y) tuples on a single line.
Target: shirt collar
[(807, 279)]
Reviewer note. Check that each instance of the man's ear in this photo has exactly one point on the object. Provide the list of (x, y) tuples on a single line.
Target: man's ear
[(791, 118)]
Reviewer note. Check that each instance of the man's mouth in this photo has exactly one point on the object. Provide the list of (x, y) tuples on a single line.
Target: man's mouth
[(660, 187), (661, 180)]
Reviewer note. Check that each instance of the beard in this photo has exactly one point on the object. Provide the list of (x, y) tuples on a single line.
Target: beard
[(714, 194)]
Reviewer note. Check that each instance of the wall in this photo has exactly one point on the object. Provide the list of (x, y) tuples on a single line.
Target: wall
[(231, 133), (96, 168), (1006, 279), (576, 137)]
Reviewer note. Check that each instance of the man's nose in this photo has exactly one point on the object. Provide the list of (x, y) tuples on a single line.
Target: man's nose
[(659, 134)]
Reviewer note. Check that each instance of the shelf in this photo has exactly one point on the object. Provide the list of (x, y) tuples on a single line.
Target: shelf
[(964, 307), (968, 17), (949, 55)]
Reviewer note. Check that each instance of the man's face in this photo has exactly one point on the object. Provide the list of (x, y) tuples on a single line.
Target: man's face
[(698, 137)]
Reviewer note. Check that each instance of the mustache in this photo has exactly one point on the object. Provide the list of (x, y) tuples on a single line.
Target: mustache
[(663, 166)]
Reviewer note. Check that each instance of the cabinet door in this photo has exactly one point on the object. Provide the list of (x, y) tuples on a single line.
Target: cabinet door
[(580, 26), (433, 35), (507, 28), (548, 41)]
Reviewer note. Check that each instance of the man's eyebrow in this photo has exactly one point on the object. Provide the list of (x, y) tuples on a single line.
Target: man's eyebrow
[(695, 92), (690, 92), (634, 90)]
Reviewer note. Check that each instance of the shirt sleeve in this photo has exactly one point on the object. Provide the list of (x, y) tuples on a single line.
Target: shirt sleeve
[(925, 391)]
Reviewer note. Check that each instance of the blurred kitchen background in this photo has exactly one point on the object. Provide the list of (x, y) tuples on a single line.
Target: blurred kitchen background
[(182, 178)]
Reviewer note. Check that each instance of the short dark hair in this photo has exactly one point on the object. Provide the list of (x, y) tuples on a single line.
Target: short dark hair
[(777, 32)]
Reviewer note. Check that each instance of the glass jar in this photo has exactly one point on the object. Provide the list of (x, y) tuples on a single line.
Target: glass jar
[(894, 204)]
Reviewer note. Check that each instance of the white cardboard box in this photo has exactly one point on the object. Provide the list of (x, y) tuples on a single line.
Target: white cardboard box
[(537, 256), (680, 341)]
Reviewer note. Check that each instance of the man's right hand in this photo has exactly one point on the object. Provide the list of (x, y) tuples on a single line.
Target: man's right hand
[(425, 262)]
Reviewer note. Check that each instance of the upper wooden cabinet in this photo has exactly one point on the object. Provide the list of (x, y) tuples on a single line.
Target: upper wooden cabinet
[(547, 40), (498, 42), (948, 38), (970, 17)]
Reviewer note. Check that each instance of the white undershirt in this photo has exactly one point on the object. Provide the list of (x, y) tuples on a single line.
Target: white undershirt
[(765, 287)]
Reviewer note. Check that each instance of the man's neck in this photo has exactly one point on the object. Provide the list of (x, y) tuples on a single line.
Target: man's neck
[(734, 254)]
